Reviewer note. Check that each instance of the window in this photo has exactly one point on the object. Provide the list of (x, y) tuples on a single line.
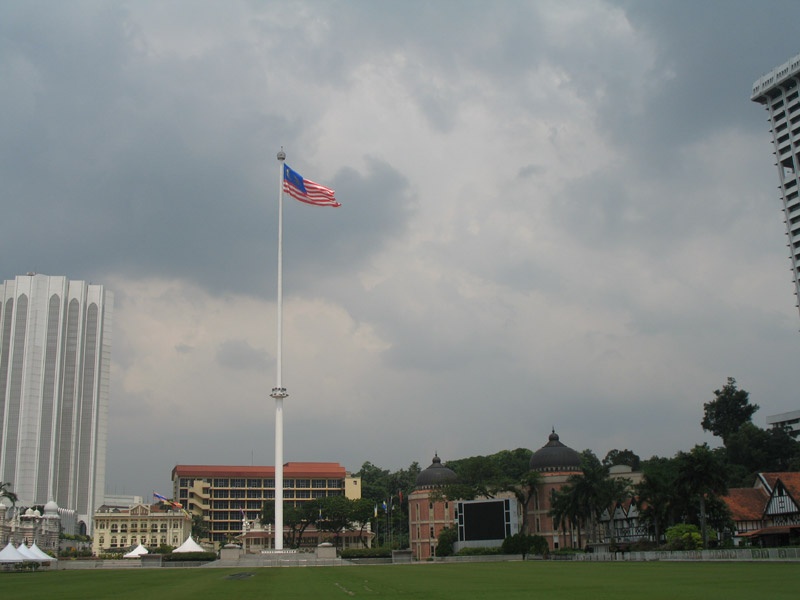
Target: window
[(239, 483), (288, 483), (302, 483), (220, 483), (318, 494), (319, 483), (254, 483), (254, 493), (303, 494), (269, 483)]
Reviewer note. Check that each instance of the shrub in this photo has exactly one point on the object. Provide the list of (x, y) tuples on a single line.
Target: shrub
[(447, 537), (190, 556), (520, 543), (684, 537), (367, 553), (479, 551)]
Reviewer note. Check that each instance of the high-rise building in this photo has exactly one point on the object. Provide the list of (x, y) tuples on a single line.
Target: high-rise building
[(55, 354), (778, 91)]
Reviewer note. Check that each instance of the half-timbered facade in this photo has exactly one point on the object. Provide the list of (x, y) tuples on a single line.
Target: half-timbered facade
[(768, 514)]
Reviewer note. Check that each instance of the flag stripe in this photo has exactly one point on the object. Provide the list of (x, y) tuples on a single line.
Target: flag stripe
[(307, 191)]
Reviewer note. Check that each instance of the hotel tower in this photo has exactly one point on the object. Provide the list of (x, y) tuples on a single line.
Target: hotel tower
[(778, 91), (55, 352)]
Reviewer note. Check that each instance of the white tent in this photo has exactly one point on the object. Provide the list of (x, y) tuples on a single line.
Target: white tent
[(9, 554), (189, 546), (27, 554), (36, 551), (136, 552)]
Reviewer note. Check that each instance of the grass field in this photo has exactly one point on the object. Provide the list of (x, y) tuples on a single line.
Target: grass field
[(546, 580)]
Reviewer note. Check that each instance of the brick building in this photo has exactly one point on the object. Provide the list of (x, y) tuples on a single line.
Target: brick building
[(428, 515)]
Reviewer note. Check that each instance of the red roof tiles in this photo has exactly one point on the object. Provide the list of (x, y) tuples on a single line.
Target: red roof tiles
[(290, 469), (746, 504)]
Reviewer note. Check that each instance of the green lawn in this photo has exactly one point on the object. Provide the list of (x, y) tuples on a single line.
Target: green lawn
[(546, 580)]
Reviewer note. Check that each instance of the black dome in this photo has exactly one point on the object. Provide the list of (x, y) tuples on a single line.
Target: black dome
[(435, 475), (555, 456)]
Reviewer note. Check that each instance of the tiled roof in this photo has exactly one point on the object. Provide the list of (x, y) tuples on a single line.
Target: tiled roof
[(746, 504), (290, 469), (790, 480)]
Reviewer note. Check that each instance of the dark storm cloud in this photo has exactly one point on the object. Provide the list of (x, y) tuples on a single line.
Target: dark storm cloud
[(715, 50), (158, 164)]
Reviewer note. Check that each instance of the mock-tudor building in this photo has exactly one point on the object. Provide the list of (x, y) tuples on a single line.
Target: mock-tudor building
[(767, 514)]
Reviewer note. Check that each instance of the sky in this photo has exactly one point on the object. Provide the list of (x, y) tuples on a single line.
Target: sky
[(554, 215)]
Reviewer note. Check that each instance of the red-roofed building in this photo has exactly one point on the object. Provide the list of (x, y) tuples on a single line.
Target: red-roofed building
[(228, 495), (767, 514)]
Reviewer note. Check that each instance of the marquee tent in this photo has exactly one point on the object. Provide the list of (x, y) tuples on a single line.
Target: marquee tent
[(9, 554), (27, 554), (136, 552), (188, 546), (36, 551)]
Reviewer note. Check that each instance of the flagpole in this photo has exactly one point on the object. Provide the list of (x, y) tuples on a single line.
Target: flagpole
[(279, 392)]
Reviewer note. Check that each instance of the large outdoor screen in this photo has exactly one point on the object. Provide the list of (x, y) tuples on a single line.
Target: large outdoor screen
[(485, 520)]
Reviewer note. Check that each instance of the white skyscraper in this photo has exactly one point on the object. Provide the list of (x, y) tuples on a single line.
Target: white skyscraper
[(55, 354), (778, 92)]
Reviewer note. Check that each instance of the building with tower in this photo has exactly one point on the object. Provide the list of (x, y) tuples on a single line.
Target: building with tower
[(778, 91), (556, 463), (55, 354), (428, 514)]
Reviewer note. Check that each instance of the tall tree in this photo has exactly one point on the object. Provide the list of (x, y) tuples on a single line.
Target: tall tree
[(701, 473), (656, 492), (622, 457), (729, 410), (335, 515)]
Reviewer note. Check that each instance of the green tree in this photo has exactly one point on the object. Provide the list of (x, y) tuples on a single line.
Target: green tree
[(684, 536), (656, 493), (622, 457), (729, 410), (363, 513), (199, 527), (750, 450), (445, 540), (5, 492), (700, 474), (335, 515), (565, 512)]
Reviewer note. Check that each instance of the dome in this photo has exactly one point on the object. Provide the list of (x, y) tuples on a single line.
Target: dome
[(435, 475), (555, 456), (51, 508)]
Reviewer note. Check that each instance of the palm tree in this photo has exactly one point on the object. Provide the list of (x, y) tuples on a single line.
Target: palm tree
[(656, 492), (701, 473), (5, 492)]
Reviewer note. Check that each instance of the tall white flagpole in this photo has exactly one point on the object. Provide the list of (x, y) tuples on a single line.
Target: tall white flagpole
[(279, 392)]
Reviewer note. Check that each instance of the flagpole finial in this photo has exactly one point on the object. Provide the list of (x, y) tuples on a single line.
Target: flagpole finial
[(281, 154)]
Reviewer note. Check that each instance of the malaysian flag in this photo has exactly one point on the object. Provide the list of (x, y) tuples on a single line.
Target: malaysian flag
[(305, 190)]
